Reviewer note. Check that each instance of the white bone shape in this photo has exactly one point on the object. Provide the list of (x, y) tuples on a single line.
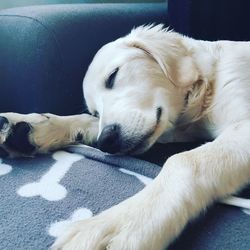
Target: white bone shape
[(144, 179), (57, 228), (48, 186), (237, 201), (4, 168), (242, 203), (246, 211)]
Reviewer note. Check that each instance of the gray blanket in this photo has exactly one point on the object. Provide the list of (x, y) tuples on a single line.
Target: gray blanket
[(41, 196)]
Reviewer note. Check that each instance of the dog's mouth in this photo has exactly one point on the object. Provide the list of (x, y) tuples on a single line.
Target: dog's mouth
[(115, 140), (142, 144)]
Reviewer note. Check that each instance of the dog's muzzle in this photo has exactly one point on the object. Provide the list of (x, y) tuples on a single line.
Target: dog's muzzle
[(109, 141)]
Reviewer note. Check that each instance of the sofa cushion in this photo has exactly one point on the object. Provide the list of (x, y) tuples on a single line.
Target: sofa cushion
[(45, 51)]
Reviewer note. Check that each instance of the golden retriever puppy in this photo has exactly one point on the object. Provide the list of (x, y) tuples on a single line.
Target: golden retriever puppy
[(157, 85)]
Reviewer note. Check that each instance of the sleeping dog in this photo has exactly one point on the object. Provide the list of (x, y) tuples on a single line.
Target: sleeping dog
[(149, 86)]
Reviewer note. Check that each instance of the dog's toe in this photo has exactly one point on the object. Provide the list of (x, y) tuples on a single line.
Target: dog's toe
[(4, 123), (18, 138), (5, 127)]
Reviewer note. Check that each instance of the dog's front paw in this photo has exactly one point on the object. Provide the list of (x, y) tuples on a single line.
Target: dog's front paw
[(91, 234), (27, 135), (14, 137), (106, 231)]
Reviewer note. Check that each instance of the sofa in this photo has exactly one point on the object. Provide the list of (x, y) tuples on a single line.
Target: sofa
[(44, 54)]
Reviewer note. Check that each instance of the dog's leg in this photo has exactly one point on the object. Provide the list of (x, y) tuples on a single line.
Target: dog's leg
[(187, 184), (40, 133)]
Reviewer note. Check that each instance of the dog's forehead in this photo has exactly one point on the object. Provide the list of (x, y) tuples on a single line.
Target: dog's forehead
[(109, 52), (98, 70), (111, 56)]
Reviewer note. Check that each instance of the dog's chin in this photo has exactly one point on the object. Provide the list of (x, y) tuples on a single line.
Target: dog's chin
[(141, 144), (139, 151), (137, 148)]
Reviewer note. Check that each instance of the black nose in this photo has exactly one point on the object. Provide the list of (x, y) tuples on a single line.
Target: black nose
[(109, 140)]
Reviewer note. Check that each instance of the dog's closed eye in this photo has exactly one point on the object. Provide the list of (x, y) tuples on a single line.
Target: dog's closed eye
[(109, 83)]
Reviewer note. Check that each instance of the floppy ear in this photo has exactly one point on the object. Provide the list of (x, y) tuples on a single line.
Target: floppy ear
[(185, 72), (167, 50)]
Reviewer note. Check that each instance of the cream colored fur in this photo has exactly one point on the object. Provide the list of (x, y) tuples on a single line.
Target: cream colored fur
[(50, 132), (203, 89)]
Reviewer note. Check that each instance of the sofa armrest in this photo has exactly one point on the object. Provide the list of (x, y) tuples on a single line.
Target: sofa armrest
[(45, 50)]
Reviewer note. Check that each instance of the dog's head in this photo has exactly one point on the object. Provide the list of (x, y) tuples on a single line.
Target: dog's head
[(135, 85)]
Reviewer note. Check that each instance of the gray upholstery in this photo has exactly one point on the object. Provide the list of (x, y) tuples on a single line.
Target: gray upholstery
[(45, 50)]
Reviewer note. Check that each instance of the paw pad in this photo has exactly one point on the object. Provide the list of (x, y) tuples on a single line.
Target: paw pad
[(4, 123), (19, 138)]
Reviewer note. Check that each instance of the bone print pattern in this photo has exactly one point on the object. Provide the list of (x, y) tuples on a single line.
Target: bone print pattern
[(48, 186), (4, 168), (246, 211), (57, 228), (144, 179), (238, 202), (34, 212)]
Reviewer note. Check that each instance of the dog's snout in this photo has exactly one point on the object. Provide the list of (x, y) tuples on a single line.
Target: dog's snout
[(109, 140)]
